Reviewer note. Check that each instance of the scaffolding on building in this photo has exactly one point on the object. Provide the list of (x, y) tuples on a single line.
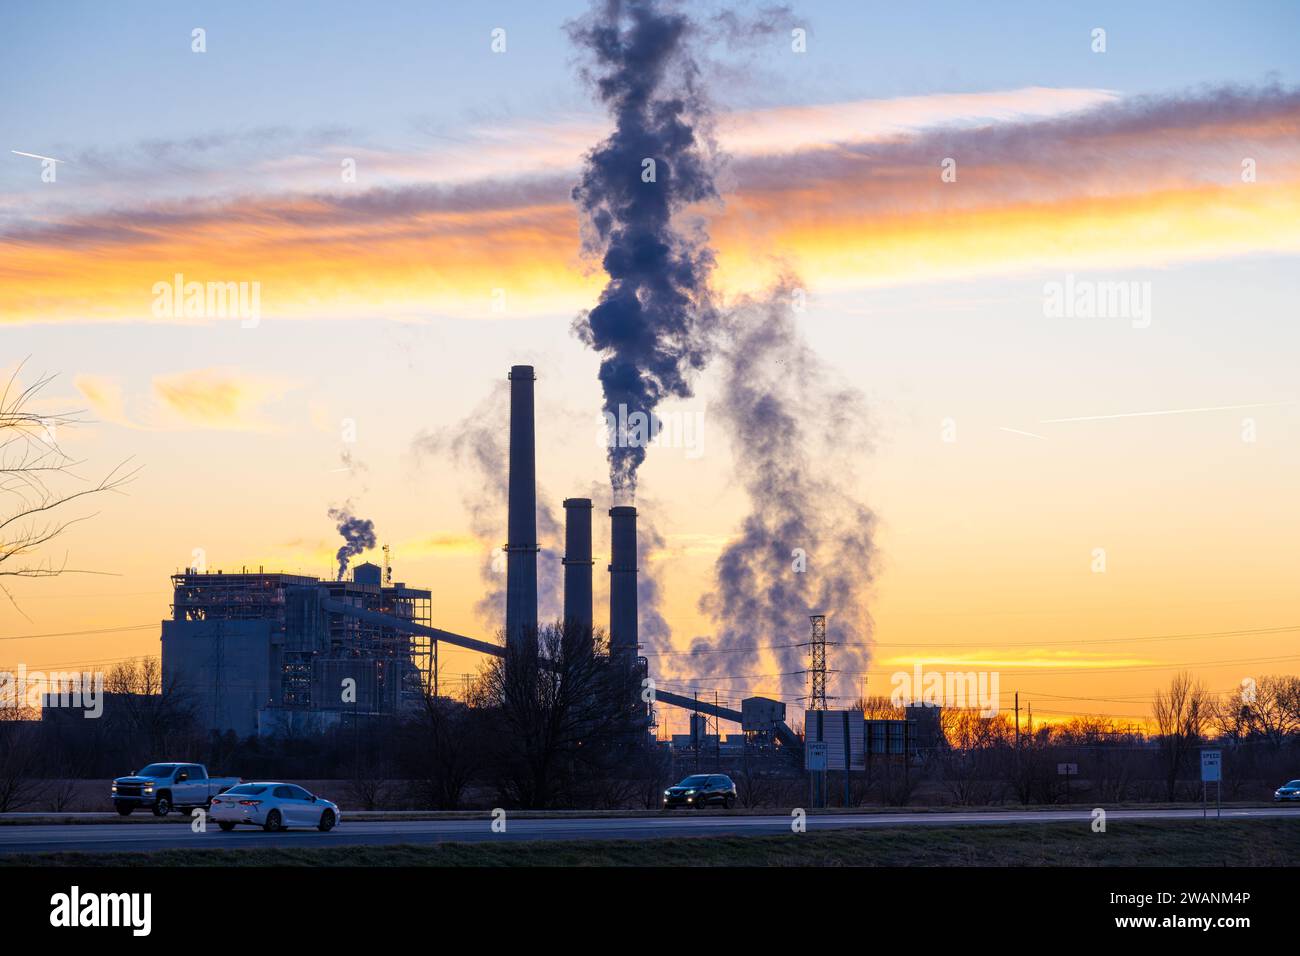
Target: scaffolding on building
[(312, 648)]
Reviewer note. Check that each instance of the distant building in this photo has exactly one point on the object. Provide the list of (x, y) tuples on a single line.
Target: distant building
[(260, 653)]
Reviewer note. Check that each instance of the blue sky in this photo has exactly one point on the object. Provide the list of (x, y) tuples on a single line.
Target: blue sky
[(91, 74)]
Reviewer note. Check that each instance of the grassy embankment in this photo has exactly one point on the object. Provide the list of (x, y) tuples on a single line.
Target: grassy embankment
[(1264, 842)]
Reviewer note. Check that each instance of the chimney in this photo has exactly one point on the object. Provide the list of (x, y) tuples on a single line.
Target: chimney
[(521, 533), (622, 584), (577, 562)]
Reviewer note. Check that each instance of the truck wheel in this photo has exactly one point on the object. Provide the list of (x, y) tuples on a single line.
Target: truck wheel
[(226, 825), (273, 822), (124, 809), (326, 822), (162, 806)]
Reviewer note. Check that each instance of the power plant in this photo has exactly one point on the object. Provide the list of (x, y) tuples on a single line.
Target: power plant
[(264, 652)]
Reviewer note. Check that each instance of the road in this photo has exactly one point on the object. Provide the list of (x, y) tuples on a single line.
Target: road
[(123, 837)]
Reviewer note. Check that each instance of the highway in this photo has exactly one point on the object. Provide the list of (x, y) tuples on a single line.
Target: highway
[(126, 837)]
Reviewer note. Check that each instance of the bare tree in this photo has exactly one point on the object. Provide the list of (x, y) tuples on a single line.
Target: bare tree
[(562, 711), (977, 752), (753, 787), (20, 751), (443, 752), (1181, 715), (875, 707), (150, 710), (368, 784), (33, 472), (1268, 709)]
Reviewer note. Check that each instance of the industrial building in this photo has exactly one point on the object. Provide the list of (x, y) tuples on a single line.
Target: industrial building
[(263, 653)]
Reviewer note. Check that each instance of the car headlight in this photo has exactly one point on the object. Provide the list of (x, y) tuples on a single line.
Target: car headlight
[(689, 792), (666, 793)]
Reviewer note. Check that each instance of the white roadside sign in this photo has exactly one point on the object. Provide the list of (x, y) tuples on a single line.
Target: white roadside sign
[(815, 755), (1211, 766)]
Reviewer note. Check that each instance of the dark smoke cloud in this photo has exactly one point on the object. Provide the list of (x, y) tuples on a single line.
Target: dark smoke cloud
[(655, 317), (794, 438), (478, 446), (358, 535)]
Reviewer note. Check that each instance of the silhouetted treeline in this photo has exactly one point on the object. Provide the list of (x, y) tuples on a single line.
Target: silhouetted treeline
[(557, 728)]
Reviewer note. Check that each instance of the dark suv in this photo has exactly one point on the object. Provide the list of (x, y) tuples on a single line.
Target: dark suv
[(700, 790)]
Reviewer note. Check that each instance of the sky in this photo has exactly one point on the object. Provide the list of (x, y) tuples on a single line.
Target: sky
[(1083, 503)]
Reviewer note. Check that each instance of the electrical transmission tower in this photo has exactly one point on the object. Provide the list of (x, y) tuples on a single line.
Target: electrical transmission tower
[(817, 663)]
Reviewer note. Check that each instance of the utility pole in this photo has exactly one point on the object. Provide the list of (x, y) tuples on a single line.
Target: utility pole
[(695, 731), (1018, 741), (717, 732)]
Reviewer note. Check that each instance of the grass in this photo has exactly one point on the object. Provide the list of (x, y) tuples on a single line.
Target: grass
[(104, 817), (1264, 842)]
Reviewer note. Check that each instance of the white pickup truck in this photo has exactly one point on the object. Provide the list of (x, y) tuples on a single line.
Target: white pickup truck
[(168, 786)]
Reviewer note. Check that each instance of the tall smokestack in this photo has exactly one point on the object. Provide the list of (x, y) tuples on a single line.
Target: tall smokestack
[(577, 562), (622, 583), (521, 532)]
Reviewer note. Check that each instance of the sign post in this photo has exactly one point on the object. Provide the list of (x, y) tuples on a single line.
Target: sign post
[(1211, 772), (1067, 770), (815, 759)]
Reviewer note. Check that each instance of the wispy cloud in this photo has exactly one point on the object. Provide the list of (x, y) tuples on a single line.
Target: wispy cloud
[(216, 398), (209, 398), (850, 193)]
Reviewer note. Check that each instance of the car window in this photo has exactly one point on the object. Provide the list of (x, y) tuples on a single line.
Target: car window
[(696, 781), (197, 772), (1294, 783), (158, 770), (299, 793), (247, 788), (284, 793)]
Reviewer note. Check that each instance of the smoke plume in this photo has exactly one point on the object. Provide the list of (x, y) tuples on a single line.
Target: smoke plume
[(478, 446), (358, 536), (806, 545), (654, 320)]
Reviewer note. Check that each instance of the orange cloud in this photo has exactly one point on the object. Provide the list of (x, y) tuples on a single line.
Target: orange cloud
[(215, 398), (1122, 185), (104, 395)]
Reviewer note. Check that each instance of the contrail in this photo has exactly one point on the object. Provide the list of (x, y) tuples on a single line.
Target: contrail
[(51, 159), (1017, 431), (1165, 411)]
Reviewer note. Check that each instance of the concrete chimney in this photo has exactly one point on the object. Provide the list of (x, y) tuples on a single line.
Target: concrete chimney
[(521, 532), (622, 583), (577, 562)]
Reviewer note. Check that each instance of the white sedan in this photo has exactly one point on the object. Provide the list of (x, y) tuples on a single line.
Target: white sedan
[(273, 806)]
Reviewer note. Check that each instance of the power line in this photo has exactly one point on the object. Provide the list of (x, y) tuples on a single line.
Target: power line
[(102, 630), (1080, 642)]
